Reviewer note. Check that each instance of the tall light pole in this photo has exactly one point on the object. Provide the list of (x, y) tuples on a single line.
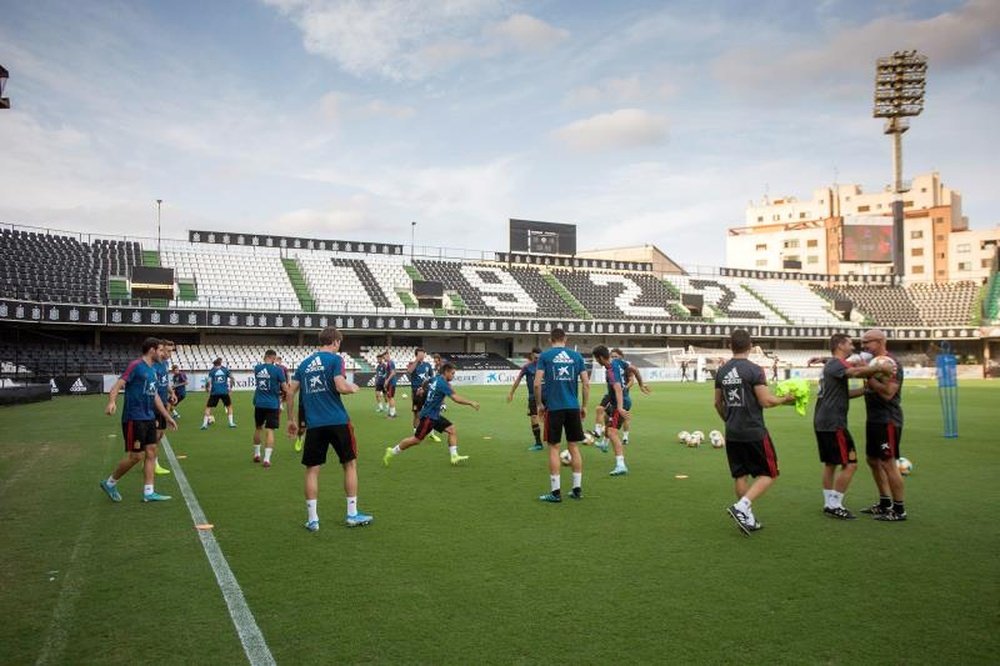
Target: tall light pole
[(413, 235), (158, 203), (899, 93)]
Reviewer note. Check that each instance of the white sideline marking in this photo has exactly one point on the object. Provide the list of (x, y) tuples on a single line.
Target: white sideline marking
[(251, 638)]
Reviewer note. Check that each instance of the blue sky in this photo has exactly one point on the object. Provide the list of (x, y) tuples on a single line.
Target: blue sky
[(641, 122)]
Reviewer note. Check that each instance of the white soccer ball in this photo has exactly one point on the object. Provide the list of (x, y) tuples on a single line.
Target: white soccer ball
[(683, 436), (692, 441), (566, 457), (905, 466), (717, 439), (699, 435), (211, 419)]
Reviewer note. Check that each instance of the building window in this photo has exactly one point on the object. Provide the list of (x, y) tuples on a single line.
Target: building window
[(965, 265), (940, 255), (916, 234), (812, 259), (939, 237), (864, 209), (789, 244), (917, 252), (986, 263), (916, 270), (760, 218), (938, 220), (923, 190), (878, 205), (802, 216), (812, 243), (761, 247), (964, 247), (907, 204), (776, 217), (792, 257), (821, 202), (762, 263)]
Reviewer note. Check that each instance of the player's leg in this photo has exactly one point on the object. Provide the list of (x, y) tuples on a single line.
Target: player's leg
[(574, 435), (756, 459), (133, 454), (228, 402), (268, 444), (312, 497), (889, 464), (423, 428), (536, 428), (553, 436), (313, 457), (161, 428), (876, 439), (447, 427), (256, 442), (149, 493), (209, 404)]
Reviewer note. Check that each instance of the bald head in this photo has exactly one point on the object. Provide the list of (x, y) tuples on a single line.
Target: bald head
[(873, 341)]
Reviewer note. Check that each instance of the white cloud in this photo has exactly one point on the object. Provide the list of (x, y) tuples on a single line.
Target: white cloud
[(624, 128), (621, 90), (402, 40)]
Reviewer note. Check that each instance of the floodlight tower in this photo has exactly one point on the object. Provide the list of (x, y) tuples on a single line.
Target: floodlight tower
[(899, 94), (4, 101)]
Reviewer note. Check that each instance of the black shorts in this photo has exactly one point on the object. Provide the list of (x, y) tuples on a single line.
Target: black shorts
[(836, 447), (390, 390), (756, 458), (161, 421), (560, 420), (882, 440), (427, 424), (214, 399), (419, 398), (180, 396), (380, 385), (607, 401), (320, 438), (532, 407), (264, 417), (138, 434)]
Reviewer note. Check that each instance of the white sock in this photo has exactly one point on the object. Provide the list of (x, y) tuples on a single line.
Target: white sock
[(311, 510), (392, 411), (625, 437), (267, 453), (827, 502), (743, 505), (577, 479), (836, 499), (396, 450), (619, 461), (111, 481), (352, 506), (204, 421), (453, 450), (599, 429), (147, 489), (554, 482), (256, 449), (231, 419)]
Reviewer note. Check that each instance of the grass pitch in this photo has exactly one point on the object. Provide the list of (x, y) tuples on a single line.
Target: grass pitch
[(464, 565)]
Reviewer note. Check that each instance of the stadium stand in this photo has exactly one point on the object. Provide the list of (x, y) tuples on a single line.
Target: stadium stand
[(487, 290), (550, 303), (244, 357), (51, 359), (61, 269), (795, 301), (232, 276), (725, 296), (477, 361), (884, 305), (618, 295), (946, 304)]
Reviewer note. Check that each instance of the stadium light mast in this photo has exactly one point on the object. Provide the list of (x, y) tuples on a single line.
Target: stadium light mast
[(413, 236), (4, 101), (158, 203), (900, 80)]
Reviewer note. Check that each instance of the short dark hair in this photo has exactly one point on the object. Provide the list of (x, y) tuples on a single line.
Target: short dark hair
[(174, 367), (150, 343), (739, 341), (217, 361), (536, 350), (836, 339), (269, 353), (419, 349), (557, 334), (329, 335), (617, 350), (601, 352), (446, 367)]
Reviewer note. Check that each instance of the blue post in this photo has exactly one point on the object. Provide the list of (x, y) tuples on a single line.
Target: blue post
[(947, 367)]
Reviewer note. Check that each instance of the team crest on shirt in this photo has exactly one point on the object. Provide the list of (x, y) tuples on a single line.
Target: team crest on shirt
[(315, 384)]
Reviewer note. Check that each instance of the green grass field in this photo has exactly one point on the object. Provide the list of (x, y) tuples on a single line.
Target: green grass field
[(464, 565)]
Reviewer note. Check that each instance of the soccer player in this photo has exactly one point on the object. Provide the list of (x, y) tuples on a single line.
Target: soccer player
[(632, 376), (419, 370), (560, 371), (834, 440), (323, 380), (741, 395), (179, 381), (142, 404), (883, 431), (614, 405), (280, 364), (431, 419), (528, 374), (220, 381), (380, 400), (270, 382), (390, 384), (165, 391)]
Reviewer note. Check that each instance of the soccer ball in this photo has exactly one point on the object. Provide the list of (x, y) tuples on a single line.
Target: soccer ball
[(693, 441), (588, 438), (905, 466), (885, 364), (211, 419), (683, 436), (699, 435), (566, 457), (717, 440)]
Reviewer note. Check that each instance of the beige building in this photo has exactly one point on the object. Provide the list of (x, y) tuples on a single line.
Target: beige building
[(823, 234), (643, 253)]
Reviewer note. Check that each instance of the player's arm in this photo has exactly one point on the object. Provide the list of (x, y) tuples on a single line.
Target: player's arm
[(112, 405), (293, 389), (343, 386), (513, 388), (585, 389), (855, 393), (720, 405), (886, 388), (539, 376), (619, 400), (637, 376), (158, 403), (768, 399), (465, 401)]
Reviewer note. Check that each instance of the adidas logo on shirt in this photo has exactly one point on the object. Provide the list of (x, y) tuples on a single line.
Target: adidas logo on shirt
[(562, 357), (732, 377), (264, 375), (78, 386), (315, 365)]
